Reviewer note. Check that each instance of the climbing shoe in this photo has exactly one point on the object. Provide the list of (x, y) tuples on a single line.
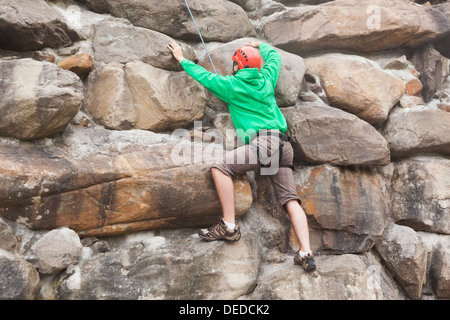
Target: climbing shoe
[(307, 262), (219, 231)]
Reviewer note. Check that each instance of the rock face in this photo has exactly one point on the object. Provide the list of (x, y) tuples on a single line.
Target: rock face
[(106, 146), (146, 267), (358, 280)]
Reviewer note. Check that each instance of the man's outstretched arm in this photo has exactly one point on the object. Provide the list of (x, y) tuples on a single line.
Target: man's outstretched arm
[(217, 84)]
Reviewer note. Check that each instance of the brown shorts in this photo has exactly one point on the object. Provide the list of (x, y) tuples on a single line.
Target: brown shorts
[(245, 158)]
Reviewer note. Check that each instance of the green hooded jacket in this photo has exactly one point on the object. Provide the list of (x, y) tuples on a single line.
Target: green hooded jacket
[(250, 94)]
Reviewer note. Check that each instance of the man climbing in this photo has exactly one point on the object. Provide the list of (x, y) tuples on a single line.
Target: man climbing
[(250, 95)]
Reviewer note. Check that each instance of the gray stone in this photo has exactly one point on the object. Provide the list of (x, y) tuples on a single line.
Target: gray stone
[(38, 98), (19, 280), (34, 25), (321, 134), (140, 44), (213, 17), (417, 130), (421, 193), (405, 256), (356, 25), (55, 251)]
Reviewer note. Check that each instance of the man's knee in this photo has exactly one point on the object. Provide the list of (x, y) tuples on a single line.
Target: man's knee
[(290, 203), (216, 172)]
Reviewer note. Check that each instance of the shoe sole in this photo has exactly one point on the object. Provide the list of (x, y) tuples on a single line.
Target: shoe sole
[(308, 268), (232, 239)]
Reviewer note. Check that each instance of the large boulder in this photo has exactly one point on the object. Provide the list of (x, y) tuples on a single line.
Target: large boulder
[(356, 25), (148, 267), (417, 130), (140, 44), (34, 25), (19, 280), (347, 207), (322, 134), (341, 277), (55, 251), (38, 100), (421, 190), (443, 45), (140, 96), (213, 17), (109, 192), (405, 256), (358, 85)]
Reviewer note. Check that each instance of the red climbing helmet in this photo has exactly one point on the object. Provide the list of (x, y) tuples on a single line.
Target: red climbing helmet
[(247, 57)]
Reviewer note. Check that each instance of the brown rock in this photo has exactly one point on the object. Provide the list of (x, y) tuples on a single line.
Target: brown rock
[(347, 207), (444, 107), (80, 64), (414, 87), (140, 96), (107, 195), (358, 85)]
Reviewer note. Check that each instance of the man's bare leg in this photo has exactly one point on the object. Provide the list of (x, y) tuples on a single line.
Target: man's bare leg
[(304, 256), (300, 224), (225, 190), (226, 228)]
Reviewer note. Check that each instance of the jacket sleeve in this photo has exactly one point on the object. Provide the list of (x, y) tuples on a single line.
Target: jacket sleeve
[(272, 65), (217, 84)]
